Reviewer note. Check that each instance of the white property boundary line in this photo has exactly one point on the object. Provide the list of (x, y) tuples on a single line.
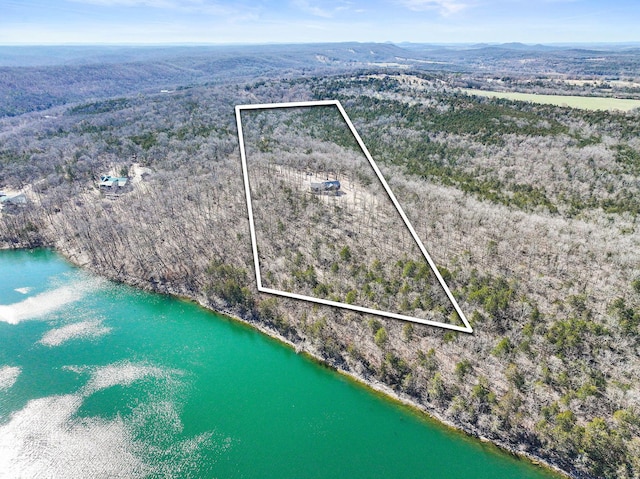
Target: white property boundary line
[(467, 327)]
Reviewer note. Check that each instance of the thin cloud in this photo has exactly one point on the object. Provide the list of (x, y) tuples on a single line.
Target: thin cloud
[(327, 10), (444, 7), (187, 6), (308, 7), (133, 3)]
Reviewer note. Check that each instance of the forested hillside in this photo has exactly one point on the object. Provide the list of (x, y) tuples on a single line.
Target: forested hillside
[(347, 245), (530, 212)]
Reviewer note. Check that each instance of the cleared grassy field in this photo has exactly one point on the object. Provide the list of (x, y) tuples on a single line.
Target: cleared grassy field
[(584, 102)]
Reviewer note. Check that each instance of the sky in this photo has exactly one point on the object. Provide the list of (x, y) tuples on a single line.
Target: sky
[(305, 21)]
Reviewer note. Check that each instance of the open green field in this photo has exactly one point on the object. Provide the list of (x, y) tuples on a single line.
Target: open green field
[(584, 102)]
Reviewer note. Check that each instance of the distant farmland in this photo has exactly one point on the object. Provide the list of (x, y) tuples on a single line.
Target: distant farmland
[(583, 102)]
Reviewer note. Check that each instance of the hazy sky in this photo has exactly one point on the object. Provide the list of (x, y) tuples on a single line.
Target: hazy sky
[(284, 21)]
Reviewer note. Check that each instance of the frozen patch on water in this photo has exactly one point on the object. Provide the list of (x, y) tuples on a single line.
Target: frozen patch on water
[(47, 438), (44, 303), (23, 290), (122, 374), (84, 329), (8, 376)]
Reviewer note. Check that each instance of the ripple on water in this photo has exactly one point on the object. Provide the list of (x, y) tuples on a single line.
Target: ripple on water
[(8, 376), (83, 329), (124, 373), (37, 306), (47, 438)]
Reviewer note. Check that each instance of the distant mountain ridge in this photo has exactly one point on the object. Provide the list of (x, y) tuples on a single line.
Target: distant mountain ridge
[(34, 78), (38, 56)]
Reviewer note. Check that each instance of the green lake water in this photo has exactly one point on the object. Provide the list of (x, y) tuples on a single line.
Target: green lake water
[(102, 380)]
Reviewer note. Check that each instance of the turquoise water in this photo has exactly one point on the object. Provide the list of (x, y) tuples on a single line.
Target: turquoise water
[(102, 380)]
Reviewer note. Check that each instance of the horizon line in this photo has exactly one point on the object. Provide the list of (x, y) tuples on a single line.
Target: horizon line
[(404, 42)]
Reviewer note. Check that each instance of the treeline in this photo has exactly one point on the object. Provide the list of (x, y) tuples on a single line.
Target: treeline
[(561, 159)]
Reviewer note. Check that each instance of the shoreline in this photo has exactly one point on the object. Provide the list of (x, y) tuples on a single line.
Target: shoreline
[(388, 393), (374, 386)]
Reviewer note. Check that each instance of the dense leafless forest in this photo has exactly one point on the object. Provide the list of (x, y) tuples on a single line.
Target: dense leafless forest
[(347, 244), (530, 211)]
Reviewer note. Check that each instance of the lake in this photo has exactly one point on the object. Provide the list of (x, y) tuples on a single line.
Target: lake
[(102, 380)]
